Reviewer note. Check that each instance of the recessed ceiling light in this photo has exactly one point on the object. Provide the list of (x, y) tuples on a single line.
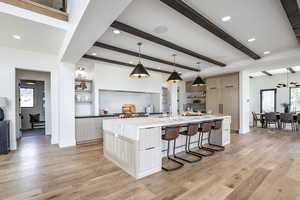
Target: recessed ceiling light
[(267, 52), (116, 31), (94, 54), (226, 19), (131, 62), (158, 68), (251, 40), (17, 37)]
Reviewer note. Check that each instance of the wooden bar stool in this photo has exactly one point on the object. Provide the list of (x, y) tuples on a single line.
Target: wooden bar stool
[(204, 128), (192, 130), (216, 125), (171, 133)]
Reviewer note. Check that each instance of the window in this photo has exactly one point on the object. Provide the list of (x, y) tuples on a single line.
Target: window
[(268, 100), (27, 97), (295, 99)]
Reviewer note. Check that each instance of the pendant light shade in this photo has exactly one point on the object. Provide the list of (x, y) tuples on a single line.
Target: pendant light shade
[(199, 82), (174, 77), (139, 71)]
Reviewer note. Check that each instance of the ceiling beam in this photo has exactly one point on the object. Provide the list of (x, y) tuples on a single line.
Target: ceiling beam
[(267, 73), (205, 23), (136, 54), (291, 70), (121, 63), (152, 38), (251, 77), (291, 8)]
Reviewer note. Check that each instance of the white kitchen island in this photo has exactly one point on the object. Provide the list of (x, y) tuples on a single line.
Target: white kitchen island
[(135, 144)]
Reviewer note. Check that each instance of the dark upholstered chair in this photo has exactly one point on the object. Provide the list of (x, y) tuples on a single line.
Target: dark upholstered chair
[(35, 121), (271, 118), (287, 118)]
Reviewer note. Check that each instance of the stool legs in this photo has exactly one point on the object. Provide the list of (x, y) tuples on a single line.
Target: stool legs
[(200, 146), (219, 148), (188, 151), (169, 158)]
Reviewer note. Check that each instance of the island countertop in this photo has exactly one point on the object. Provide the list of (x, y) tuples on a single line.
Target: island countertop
[(136, 145), (126, 127)]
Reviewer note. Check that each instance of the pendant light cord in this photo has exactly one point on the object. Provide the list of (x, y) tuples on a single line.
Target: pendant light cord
[(140, 44), (174, 55)]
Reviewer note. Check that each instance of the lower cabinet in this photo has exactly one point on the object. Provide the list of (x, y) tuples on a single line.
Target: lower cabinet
[(88, 129), (138, 158)]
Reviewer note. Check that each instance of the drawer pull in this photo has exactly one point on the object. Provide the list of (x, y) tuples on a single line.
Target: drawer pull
[(150, 148)]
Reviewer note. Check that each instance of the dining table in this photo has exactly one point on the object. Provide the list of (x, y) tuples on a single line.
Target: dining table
[(262, 118)]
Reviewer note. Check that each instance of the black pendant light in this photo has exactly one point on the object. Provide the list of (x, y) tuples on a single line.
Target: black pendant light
[(199, 82), (174, 77), (139, 71)]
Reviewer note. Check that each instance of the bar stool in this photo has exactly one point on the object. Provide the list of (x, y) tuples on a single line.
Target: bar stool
[(171, 133), (216, 125), (192, 130), (204, 128)]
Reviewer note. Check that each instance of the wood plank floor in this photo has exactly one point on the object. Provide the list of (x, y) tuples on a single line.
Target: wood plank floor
[(262, 165)]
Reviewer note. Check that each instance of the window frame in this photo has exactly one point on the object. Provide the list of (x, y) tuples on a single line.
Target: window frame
[(33, 101), (290, 95), (275, 98)]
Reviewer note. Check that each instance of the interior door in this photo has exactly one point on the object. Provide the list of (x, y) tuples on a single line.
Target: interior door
[(18, 110)]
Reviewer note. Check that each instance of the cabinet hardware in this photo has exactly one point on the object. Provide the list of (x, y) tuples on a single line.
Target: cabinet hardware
[(213, 88), (229, 86), (150, 148)]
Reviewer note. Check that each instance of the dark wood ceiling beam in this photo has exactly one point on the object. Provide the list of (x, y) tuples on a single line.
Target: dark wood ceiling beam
[(291, 70), (147, 36), (136, 54), (121, 63), (267, 73), (291, 8), (197, 18)]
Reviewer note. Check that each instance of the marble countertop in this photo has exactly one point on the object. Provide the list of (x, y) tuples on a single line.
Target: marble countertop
[(129, 127)]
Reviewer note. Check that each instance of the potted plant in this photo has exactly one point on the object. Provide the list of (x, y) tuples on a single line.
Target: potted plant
[(286, 107)]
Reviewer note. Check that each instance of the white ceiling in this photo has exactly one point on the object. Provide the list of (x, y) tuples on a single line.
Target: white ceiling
[(263, 19), (34, 36)]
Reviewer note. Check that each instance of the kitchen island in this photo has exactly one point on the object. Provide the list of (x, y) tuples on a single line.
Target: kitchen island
[(135, 144)]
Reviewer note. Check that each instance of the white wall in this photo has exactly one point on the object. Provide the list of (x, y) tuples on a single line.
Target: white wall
[(62, 90), (112, 101), (112, 77), (270, 82), (244, 95)]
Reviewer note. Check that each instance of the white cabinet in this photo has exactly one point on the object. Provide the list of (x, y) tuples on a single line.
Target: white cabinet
[(88, 129), (139, 158)]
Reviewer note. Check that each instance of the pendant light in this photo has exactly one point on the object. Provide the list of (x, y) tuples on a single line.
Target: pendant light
[(174, 77), (288, 84), (199, 82), (139, 71)]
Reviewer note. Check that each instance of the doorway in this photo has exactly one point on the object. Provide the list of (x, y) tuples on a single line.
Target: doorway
[(33, 105)]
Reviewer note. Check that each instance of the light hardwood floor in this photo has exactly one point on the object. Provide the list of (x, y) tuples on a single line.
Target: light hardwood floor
[(262, 165)]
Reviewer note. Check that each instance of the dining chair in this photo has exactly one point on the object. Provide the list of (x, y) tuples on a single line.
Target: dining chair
[(287, 118), (255, 119), (271, 118), (298, 121)]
